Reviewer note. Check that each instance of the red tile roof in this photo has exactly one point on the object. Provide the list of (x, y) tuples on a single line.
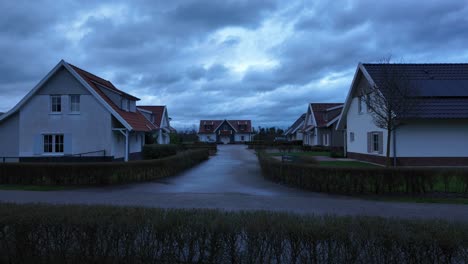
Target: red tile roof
[(215, 124), (323, 114), (157, 110), (136, 120)]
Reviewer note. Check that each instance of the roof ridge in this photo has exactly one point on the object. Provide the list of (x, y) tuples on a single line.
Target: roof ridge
[(415, 63)]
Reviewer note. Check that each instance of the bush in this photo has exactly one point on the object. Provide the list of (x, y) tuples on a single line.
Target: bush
[(365, 180), (102, 173), (211, 147), (156, 151), (103, 234)]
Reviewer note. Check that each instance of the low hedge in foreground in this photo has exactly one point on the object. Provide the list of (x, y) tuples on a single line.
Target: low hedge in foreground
[(365, 180), (98, 234), (103, 173)]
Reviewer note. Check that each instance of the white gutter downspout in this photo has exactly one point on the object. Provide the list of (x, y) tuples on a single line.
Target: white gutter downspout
[(125, 133), (394, 149), (126, 145)]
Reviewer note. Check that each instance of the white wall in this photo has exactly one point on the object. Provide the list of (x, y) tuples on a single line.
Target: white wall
[(360, 124), (237, 137), (204, 137), (433, 138), (90, 130), (9, 136)]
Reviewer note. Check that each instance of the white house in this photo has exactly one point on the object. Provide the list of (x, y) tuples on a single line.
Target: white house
[(158, 115), (225, 131), (320, 123), (435, 132), (72, 113), (294, 132)]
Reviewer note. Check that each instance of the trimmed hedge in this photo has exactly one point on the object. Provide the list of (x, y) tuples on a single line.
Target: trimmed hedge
[(365, 180), (102, 173), (211, 147), (103, 234), (157, 151)]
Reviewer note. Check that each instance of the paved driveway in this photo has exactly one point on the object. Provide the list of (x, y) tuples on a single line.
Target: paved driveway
[(231, 180)]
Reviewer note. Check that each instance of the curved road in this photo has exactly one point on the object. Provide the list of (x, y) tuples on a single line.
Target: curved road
[(231, 180)]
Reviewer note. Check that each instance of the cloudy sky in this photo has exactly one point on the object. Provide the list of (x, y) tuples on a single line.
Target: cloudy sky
[(259, 60)]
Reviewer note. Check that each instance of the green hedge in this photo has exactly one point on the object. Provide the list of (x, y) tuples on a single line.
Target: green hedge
[(211, 147), (99, 234), (365, 180), (156, 151), (102, 173)]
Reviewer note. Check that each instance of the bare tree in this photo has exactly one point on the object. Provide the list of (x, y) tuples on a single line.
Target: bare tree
[(390, 99)]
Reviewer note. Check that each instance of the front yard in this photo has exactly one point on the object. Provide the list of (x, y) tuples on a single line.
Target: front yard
[(324, 159)]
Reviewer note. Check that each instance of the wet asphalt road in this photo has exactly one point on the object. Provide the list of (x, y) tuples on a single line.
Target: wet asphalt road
[(231, 180)]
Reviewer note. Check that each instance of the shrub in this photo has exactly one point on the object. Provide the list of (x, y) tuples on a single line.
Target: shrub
[(365, 180), (102, 173), (156, 151), (103, 234)]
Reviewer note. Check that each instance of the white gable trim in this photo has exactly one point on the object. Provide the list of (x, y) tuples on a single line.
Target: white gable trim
[(32, 92), (349, 97), (97, 96), (228, 124), (80, 80), (297, 127), (163, 117)]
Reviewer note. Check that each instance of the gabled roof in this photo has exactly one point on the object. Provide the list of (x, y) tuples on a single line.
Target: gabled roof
[(325, 112), (215, 124), (130, 120), (299, 123), (441, 89), (157, 110)]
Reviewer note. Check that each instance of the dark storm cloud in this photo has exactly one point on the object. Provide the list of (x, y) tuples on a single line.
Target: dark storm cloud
[(213, 59)]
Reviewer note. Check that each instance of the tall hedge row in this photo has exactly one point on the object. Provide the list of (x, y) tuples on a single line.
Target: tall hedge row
[(365, 180), (99, 173), (85, 234)]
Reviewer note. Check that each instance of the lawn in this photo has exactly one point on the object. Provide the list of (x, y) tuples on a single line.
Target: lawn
[(409, 199), (347, 164), (302, 153), (17, 187)]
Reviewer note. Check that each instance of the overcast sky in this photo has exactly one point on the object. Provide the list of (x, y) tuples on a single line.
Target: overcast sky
[(258, 60)]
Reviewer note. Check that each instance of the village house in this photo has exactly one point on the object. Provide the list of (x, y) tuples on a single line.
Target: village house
[(320, 125), (159, 116), (294, 132), (225, 131), (72, 113), (434, 132)]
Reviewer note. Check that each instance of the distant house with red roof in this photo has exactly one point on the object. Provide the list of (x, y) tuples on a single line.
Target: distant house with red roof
[(159, 116), (320, 125), (225, 131), (71, 113)]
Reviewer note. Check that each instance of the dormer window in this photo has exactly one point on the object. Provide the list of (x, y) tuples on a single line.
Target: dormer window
[(208, 127)]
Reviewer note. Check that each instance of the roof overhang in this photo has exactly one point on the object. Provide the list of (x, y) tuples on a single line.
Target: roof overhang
[(359, 70)]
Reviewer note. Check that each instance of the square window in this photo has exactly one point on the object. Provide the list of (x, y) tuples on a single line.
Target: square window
[(53, 143), (75, 103), (56, 103)]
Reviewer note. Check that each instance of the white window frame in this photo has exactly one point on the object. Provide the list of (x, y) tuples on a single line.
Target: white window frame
[(54, 105), (57, 141), (75, 106), (242, 138), (325, 139)]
